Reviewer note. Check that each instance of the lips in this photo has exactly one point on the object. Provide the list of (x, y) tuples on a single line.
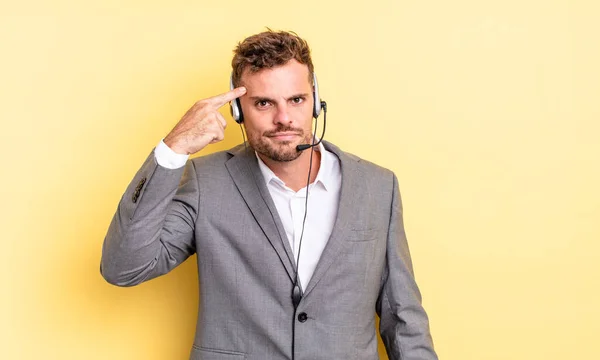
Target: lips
[(284, 135)]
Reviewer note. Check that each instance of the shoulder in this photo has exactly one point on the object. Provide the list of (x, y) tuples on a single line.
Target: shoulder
[(218, 158), (213, 165), (369, 170)]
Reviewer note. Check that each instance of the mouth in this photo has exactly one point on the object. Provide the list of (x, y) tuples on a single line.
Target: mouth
[(283, 136)]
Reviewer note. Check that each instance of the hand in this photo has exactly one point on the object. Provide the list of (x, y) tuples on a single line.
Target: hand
[(202, 124)]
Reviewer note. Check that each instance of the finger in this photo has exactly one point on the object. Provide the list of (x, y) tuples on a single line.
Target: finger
[(222, 120), (217, 139), (219, 134), (223, 99)]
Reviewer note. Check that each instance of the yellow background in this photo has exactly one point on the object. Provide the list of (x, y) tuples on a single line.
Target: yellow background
[(488, 112)]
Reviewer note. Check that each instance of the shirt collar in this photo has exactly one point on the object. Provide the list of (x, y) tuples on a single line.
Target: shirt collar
[(323, 176)]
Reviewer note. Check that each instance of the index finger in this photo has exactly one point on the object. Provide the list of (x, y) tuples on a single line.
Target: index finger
[(224, 98)]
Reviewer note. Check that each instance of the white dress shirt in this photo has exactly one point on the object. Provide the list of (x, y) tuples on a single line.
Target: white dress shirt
[(323, 200)]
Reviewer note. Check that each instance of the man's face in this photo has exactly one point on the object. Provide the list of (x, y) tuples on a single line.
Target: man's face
[(277, 109)]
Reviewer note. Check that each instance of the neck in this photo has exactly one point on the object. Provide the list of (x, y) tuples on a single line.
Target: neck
[(294, 173)]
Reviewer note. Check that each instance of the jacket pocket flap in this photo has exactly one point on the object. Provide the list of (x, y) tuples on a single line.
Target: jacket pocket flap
[(201, 353), (362, 234)]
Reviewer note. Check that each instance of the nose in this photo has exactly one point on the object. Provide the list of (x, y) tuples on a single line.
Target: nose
[(282, 116)]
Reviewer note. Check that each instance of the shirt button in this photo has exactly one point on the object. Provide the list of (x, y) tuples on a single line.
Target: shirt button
[(302, 317)]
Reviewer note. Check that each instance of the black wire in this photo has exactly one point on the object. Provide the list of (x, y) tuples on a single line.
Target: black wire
[(312, 151), (243, 136)]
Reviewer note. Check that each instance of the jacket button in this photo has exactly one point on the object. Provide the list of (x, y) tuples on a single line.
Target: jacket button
[(135, 196), (141, 184), (302, 317)]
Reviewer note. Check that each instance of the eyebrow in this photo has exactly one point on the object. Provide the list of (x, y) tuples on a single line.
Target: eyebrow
[(264, 98)]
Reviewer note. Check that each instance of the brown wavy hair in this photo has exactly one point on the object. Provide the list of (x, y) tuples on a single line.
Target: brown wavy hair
[(269, 49)]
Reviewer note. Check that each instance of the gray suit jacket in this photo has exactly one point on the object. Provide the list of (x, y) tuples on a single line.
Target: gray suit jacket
[(219, 207)]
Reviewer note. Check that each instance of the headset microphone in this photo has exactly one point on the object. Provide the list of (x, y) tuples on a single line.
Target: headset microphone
[(303, 147)]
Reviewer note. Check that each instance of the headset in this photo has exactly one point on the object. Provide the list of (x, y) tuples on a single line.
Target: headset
[(238, 116), (236, 107)]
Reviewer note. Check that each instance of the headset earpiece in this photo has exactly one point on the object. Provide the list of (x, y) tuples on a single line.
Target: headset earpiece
[(234, 106), (317, 100)]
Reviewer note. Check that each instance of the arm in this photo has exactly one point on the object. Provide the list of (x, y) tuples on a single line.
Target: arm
[(152, 230), (404, 325)]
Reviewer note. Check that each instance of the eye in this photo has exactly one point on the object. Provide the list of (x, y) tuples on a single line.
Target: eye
[(262, 103), (298, 100)]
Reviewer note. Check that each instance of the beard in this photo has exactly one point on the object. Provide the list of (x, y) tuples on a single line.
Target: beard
[(281, 151)]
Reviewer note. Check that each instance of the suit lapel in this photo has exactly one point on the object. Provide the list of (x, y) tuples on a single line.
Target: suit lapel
[(346, 215), (244, 170)]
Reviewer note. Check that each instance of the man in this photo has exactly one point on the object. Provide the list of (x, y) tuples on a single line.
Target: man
[(278, 280)]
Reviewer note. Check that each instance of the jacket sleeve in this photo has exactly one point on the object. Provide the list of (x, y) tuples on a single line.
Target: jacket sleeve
[(152, 230), (404, 325)]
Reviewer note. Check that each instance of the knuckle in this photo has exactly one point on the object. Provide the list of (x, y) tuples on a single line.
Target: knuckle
[(213, 117), (201, 103), (207, 118)]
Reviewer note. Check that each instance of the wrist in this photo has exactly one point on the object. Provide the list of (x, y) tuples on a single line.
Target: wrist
[(176, 146), (168, 158)]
